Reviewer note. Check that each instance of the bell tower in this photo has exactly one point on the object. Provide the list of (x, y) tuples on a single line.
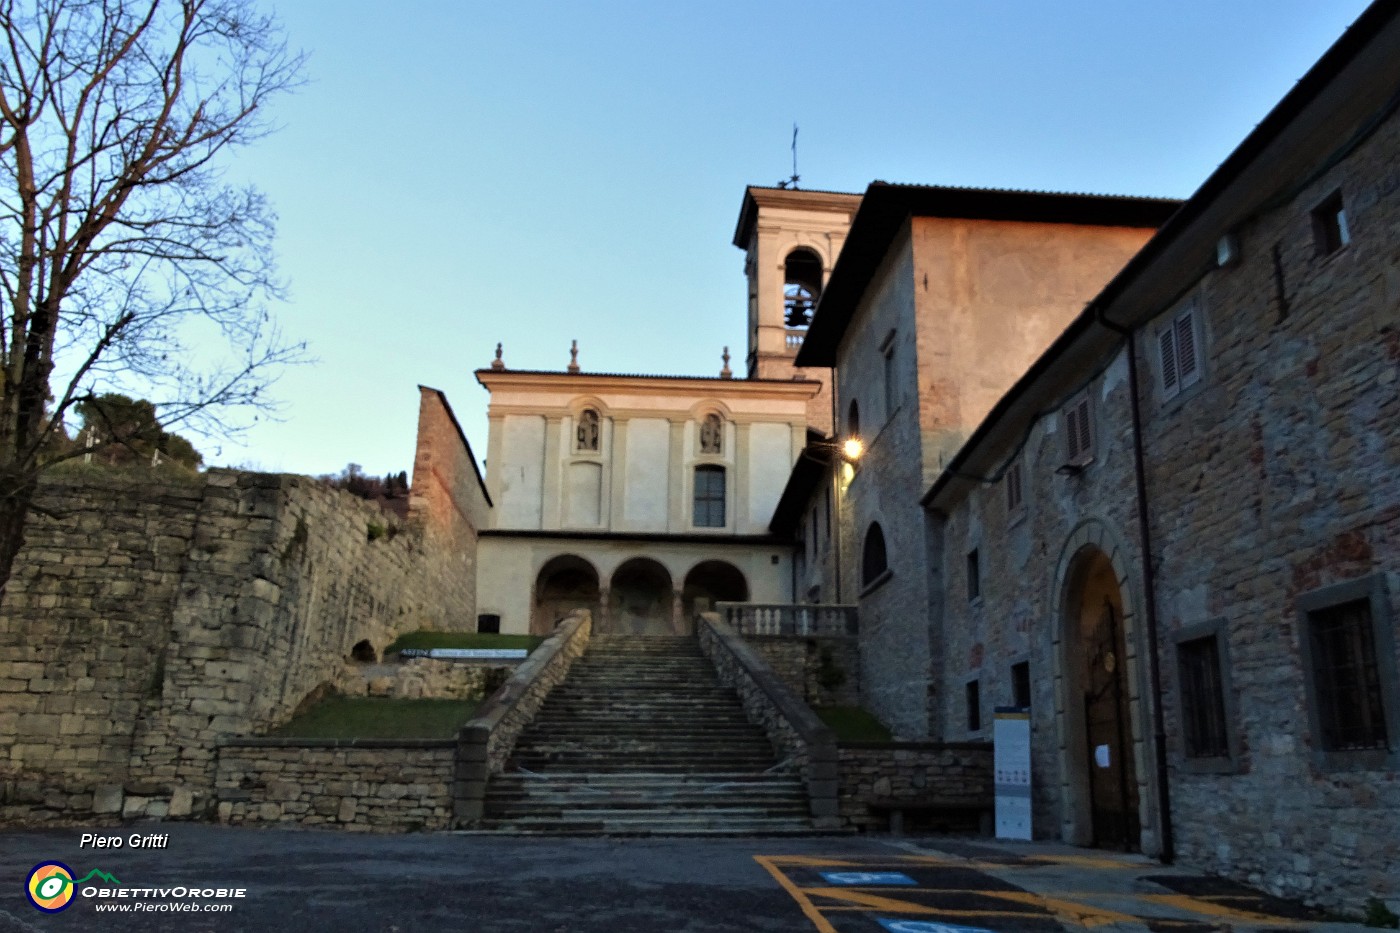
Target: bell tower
[(791, 239)]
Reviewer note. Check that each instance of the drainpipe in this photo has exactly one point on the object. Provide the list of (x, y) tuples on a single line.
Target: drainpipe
[(833, 519), (1149, 586)]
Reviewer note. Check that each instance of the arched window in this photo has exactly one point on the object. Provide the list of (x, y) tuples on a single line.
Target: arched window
[(802, 278), (712, 434), (853, 419), (872, 558), (588, 430), (709, 496)]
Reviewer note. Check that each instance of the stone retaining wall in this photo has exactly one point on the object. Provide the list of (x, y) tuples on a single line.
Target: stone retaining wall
[(957, 773), (425, 678), (485, 743), (823, 670), (771, 704), (362, 785)]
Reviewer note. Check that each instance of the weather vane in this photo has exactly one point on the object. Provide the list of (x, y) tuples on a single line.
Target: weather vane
[(792, 182)]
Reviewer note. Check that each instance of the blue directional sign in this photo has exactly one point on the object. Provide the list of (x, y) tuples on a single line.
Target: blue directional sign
[(867, 877), (927, 926)]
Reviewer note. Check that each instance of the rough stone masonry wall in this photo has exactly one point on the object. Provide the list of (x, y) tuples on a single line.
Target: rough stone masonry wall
[(951, 774), (823, 671), (163, 616), (1272, 479), (363, 785)]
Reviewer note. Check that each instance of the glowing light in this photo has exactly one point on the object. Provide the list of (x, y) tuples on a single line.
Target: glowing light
[(852, 449)]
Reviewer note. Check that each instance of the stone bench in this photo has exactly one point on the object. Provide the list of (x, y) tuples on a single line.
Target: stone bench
[(962, 810)]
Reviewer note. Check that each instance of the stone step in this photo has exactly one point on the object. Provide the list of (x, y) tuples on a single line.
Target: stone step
[(645, 826)]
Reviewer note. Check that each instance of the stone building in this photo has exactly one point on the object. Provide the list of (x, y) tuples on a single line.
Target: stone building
[(938, 302), (1175, 537)]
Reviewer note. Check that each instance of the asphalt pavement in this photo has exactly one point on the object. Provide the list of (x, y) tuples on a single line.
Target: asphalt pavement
[(212, 878)]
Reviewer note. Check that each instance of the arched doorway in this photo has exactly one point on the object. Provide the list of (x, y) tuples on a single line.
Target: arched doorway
[(1102, 748), (640, 599), (709, 582), (565, 583)]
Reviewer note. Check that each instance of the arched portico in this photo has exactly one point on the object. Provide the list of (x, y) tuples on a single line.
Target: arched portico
[(1100, 711), (641, 600), (566, 582), (707, 583)]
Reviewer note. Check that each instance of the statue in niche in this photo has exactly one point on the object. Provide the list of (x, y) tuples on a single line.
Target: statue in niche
[(712, 435), (588, 430)]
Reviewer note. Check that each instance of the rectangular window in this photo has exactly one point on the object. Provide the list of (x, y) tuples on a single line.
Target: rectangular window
[(1346, 678), (1179, 353), (891, 396), (974, 575), (1079, 432), (974, 706), (1015, 490), (1021, 685), (709, 496), (1203, 723), (1329, 222), (488, 624)]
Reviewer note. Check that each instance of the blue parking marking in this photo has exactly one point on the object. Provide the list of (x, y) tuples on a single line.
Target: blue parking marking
[(867, 878), (927, 926)]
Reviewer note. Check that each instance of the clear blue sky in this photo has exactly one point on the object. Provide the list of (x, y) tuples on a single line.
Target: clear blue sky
[(461, 173)]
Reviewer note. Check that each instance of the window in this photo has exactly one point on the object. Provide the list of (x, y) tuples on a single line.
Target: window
[(709, 496), (974, 706), (712, 434), (1015, 489), (1179, 353), (1021, 685), (588, 432), (873, 563), (1329, 223), (1079, 432), (1348, 649), (802, 277), (891, 396), (974, 575), (488, 623), (853, 419), (1204, 726)]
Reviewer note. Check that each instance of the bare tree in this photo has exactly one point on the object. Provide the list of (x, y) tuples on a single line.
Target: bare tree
[(127, 261)]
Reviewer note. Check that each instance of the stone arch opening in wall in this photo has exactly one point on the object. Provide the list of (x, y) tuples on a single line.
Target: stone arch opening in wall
[(566, 582), (363, 652), (802, 286), (709, 582), (1099, 711), (642, 600)]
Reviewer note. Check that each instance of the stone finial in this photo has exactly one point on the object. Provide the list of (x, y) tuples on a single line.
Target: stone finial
[(498, 363), (726, 372), (573, 357)]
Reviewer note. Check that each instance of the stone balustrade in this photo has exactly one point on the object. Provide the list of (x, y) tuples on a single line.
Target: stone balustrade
[(798, 620)]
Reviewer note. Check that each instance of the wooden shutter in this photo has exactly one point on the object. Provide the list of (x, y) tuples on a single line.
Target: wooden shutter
[(1166, 346), (1080, 441), (1013, 487), (1187, 360)]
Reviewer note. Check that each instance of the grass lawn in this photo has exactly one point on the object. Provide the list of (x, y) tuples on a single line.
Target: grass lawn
[(339, 717), (853, 724), (463, 640)]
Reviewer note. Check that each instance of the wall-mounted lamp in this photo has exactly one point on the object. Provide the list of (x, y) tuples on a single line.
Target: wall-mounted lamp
[(852, 448)]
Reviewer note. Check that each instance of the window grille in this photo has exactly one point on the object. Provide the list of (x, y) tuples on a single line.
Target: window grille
[(709, 496), (1346, 677), (1203, 723)]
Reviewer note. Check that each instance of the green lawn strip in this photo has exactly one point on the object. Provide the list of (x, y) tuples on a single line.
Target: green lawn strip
[(463, 640), (853, 724), (379, 718)]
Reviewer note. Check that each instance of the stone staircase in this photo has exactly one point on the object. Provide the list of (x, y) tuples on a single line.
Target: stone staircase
[(642, 739)]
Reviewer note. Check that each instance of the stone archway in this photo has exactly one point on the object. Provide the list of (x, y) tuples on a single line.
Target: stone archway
[(709, 582), (565, 583), (1099, 710), (641, 600)]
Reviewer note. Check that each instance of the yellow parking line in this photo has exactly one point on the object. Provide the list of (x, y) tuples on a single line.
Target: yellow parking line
[(1083, 914), (811, 911), (1212, 909)]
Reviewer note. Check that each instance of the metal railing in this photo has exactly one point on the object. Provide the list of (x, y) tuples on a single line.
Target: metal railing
[(796, 620)]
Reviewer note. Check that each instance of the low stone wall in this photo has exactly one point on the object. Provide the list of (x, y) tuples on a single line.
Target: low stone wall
[(425, 678), (770, 703), (485, 743), (958, 774), (823, 670), (366, 785)]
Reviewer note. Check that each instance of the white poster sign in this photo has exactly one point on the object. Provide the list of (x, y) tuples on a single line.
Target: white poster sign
[(1011, 764)]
